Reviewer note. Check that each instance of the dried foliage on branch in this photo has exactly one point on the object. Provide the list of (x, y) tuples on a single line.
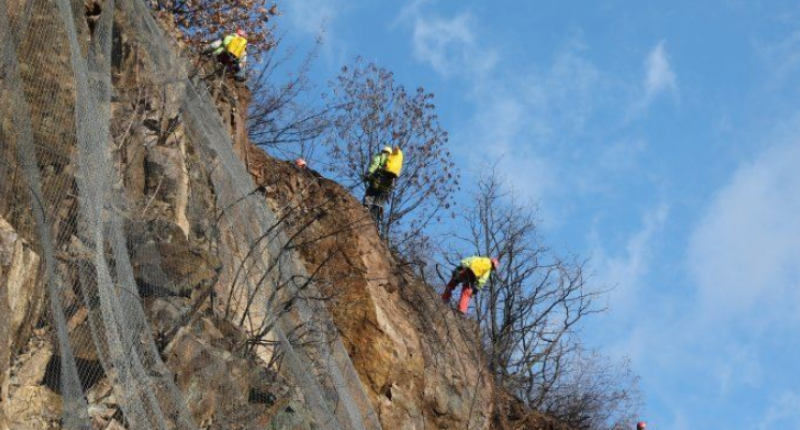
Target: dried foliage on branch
[(529, 312), (203, 21), (372, 111)]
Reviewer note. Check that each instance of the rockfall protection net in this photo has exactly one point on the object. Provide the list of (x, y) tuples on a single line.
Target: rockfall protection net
[(78, 84)]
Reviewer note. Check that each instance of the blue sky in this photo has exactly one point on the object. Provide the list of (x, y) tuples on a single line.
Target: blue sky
[(661, 139)]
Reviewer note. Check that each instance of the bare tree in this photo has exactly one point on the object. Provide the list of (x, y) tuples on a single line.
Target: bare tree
[(373, 111), (529, 311), (281, 116), (596, 393), (529, 307)]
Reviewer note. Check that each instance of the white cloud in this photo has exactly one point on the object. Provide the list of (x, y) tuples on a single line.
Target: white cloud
[(782, 59), (737, 365), (625, 273), (660, 78), (319, 18), (450, 46), (744, 255), (622, 155), (784, 413), (497, 127), (528, 118), (311, 16)]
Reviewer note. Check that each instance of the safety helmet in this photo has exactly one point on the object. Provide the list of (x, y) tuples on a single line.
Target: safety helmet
[(387, 149), (495, 263), (641, 425), (300, 163), (241, 32)]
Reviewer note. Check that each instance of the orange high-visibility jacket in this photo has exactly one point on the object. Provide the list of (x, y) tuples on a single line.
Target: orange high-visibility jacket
[(481, 267)]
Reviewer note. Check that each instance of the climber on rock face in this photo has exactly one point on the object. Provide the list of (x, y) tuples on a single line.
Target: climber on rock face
[(384, 169), (473, 273), (231, 51)]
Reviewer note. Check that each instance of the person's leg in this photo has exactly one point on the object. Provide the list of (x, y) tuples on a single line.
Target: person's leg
[(381, 196), (369, 197), (240, 72), (455, 278), (466, 294)]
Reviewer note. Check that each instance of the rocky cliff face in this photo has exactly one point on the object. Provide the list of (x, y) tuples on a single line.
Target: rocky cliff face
[(419, 363)]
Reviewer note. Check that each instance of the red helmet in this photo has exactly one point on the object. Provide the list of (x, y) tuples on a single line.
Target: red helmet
[(241, 32), (641, 425), (300, 163), (495, 263)]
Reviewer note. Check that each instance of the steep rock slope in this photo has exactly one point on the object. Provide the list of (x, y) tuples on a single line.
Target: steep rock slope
[(421, 363), (162, 207)]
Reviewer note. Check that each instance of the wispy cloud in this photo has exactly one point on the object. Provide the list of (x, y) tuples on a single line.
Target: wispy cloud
[(744, 255), (625, 272), (311, 16), (659, 79), (448, 44), (784, 413), (319, 18), (781, 59), (529, 117)]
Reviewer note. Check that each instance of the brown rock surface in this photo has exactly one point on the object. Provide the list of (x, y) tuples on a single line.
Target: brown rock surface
[(420, 363), (21, 297)]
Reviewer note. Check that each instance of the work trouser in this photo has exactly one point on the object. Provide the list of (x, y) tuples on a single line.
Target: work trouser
[(464, 276), (233, 64), (374, 200), (378, 191)]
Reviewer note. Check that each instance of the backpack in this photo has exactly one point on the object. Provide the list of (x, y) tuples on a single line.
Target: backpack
[(394, 162), (237, 46)]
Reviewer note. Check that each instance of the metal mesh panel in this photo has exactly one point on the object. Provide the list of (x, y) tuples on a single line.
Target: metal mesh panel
[(66, 189)]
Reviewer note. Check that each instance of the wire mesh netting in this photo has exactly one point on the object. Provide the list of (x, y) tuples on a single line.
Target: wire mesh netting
[(171, 297)]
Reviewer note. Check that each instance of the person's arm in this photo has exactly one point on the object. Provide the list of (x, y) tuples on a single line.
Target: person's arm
[(214, 45), (375, 164), (243, 60), (483, 279)]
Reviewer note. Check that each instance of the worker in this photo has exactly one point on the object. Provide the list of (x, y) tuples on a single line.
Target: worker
[(641, 425), (473, 273), (381, 174), (231, 51), (300, 163)]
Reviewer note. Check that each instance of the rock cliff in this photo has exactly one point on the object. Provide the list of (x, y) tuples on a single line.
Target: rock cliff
[(204, 352)]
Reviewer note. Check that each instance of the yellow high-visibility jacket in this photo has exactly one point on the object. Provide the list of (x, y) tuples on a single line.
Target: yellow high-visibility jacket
[(234, 45), (378, 162), (481, 267)]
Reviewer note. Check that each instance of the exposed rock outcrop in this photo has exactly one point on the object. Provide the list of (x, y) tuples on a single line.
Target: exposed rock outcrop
[(420, 364)]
